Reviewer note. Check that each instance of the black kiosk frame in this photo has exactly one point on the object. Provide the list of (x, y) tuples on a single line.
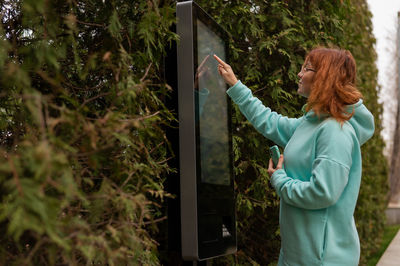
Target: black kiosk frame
[(207, 201)]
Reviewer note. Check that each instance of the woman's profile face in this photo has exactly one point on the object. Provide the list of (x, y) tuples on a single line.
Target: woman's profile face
[(306, 76)]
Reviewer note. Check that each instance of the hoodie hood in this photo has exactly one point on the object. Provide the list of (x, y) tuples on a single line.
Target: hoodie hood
[(362, 120)]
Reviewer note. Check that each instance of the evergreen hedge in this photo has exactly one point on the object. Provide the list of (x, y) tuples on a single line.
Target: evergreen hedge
[(84, 155)]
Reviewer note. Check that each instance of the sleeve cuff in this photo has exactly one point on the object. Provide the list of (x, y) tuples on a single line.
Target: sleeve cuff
[(234, 88), (237, 91), (275, 177)]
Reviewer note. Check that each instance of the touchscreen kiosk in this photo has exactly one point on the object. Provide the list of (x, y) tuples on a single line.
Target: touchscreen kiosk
[(207, 202)]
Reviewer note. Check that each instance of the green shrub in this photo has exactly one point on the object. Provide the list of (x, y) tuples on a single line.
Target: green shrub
[(84, 155)]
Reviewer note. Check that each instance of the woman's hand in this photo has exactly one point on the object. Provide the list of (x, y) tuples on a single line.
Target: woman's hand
[(271, 168), (226, 72)]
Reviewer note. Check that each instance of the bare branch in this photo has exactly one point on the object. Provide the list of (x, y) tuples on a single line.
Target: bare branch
[(93, 98), (91, 24), (147, 72)]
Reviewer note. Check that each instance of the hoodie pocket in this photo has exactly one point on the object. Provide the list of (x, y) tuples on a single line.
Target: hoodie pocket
[(303, 235), (323, 247)]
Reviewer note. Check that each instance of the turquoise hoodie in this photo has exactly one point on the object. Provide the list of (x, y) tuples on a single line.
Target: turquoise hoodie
[(319, 185)]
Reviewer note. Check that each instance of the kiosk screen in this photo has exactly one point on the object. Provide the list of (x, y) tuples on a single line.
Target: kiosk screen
[(206, 181), (212, 111)]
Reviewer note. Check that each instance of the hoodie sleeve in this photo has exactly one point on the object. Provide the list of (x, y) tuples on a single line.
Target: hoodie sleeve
[(270, 124), (330, 171)]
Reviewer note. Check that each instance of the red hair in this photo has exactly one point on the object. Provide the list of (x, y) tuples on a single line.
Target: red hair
[(333, 86)]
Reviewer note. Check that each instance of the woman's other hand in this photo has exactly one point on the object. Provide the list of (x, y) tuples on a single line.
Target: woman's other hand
[(271, 168), (226, 72)]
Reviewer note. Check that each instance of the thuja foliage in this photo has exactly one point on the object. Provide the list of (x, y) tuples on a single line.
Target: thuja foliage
[(83, 148), (269, 42), (84, 156)]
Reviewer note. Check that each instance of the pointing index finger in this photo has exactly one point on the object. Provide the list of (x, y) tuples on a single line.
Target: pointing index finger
[(220, 61)]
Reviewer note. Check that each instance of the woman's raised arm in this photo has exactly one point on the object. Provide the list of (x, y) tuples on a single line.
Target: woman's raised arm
[(272, 125)]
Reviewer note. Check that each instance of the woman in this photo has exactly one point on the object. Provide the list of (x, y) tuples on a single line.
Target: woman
[(318, 177)]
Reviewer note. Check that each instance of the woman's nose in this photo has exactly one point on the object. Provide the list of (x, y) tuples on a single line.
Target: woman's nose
[(300, 74)]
